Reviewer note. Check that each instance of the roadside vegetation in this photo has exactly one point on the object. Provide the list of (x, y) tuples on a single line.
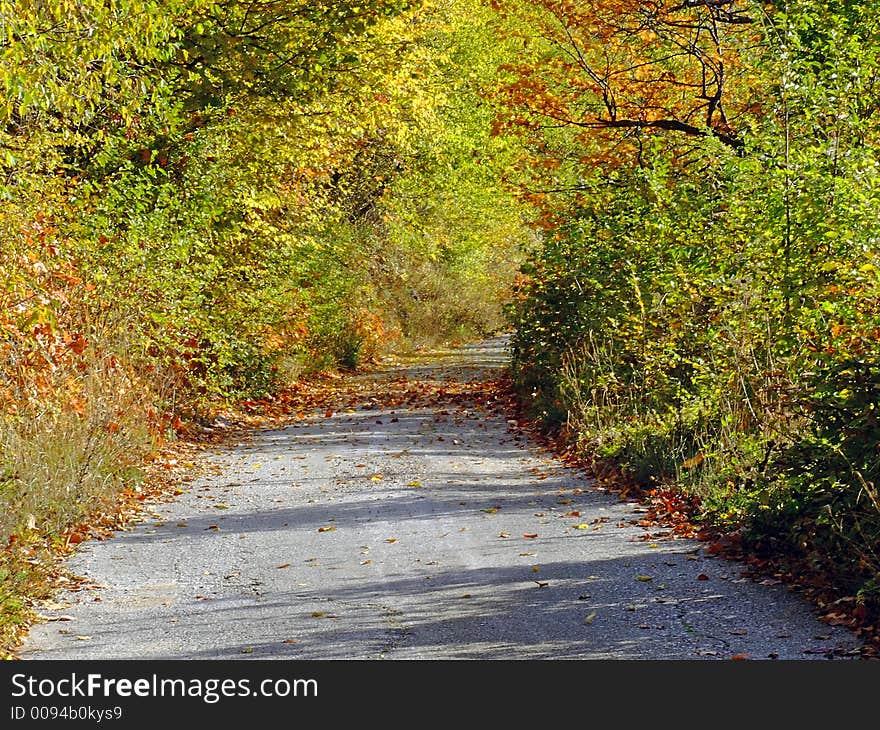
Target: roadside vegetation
[(704, 310), (201, 201)]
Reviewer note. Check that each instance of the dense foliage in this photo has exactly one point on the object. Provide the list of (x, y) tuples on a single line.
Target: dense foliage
[(201, 200), (704, 311)]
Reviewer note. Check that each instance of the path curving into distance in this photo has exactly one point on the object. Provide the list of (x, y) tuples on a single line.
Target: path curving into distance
[(396, 528)]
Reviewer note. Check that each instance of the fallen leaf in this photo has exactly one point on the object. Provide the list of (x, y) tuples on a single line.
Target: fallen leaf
[(83, 638), (366, 562), (327, 528), (643, 578), (702, 576), (535, 569), (531, 536), (318, 614), (503, 534), (489, 511), (466, 595), (290, 641), (284, 565), (582, 526), (248, 650), (391, 539), (414, 484), (589, 618), (51, 605), (376, 478), (540, 584), (739, 657)]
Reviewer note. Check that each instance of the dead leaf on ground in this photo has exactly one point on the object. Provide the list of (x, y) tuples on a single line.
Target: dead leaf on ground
[(589, 618)]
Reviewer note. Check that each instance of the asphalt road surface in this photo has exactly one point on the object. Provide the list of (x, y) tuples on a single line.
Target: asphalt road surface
[(431, 532)]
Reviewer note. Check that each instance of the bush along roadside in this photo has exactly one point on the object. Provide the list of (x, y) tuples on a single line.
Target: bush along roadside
[(702, 314)]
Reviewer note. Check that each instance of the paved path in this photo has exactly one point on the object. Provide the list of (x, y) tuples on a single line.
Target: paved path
[(429, 556)]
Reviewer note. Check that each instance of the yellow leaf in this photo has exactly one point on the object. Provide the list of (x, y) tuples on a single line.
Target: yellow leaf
[(643, 578), (327, 528), (589, 619), (582, 526)]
